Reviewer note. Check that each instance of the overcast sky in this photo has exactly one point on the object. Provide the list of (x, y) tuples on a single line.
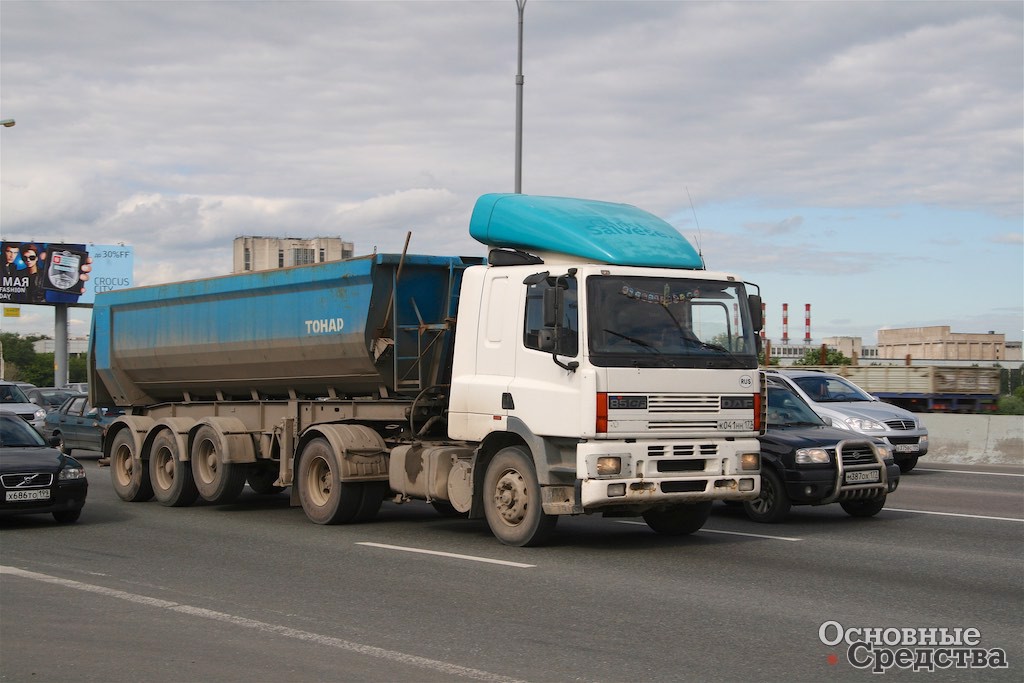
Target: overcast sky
[(865, 158)]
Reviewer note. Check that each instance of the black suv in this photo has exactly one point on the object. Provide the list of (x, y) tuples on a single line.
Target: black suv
[(806, 462)]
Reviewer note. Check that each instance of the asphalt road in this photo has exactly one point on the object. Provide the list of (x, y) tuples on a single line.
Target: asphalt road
[(254, 592)]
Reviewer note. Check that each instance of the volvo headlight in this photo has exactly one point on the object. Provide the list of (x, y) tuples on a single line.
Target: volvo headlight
[(812, 456), (71, 473)]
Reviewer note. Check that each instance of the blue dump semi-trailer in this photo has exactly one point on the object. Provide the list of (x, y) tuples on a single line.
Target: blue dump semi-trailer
[(590, 365)]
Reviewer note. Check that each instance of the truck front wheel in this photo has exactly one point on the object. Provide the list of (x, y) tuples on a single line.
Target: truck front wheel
[(679, 520), (512, 500), (171, 477), (217, 481), (327, 500), (127, 473)]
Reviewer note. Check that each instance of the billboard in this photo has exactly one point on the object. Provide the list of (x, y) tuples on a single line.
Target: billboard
[(50, 273)]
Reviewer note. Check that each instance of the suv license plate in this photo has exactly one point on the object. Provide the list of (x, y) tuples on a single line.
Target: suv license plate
[(906, 448), (857, 477), (35, 494)]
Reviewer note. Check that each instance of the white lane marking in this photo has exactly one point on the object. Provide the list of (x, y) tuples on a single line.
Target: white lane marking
[(956, 514), (991, 474), (731, 533), (474, 558), (358, 648)]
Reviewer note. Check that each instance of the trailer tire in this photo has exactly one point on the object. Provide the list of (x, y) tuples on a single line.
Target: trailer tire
[(217, 481), (512, 500), (170, 476), (863, 508), (679, 520), (128, 474), (261, 478), (324, 497), (907, 464), (772, 504)]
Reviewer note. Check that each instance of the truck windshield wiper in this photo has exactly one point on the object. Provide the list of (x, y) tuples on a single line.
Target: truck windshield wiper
[(634, 340)]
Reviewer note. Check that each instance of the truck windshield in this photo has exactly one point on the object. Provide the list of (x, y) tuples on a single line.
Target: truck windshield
[(668, 322)]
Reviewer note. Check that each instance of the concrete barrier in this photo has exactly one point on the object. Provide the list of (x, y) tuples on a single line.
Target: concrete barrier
[(978, 439)]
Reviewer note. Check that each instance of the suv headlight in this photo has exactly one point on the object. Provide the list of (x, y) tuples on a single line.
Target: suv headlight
[(862, 424), (812, 456), (40, 414)]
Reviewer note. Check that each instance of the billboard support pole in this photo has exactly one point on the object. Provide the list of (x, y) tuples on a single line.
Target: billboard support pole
[(60, 345)]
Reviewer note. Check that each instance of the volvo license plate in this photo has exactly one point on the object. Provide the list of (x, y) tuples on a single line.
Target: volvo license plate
[(28, 494)]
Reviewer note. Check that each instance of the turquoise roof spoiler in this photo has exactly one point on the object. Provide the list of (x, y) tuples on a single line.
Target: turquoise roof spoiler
[(602, 232)]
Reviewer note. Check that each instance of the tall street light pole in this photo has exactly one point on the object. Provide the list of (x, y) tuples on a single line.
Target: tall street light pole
[(521, 4)]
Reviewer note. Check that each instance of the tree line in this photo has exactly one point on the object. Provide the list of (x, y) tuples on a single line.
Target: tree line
[(23, 364)]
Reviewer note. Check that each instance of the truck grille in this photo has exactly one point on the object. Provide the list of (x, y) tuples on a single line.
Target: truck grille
[(901, 424), (683, 403), (704, 450)]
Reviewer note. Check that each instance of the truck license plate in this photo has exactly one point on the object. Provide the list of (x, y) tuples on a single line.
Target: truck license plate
[(736, 425), (858, 477), (906, 448), (34, 494)]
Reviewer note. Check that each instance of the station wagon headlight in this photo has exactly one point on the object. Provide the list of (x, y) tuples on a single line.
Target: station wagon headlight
[(72, 473), (862, 424), (812, 456)]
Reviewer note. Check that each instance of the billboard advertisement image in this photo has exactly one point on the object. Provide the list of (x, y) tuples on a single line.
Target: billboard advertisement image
[(49, 273)]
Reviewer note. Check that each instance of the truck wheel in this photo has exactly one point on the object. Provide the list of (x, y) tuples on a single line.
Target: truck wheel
[(324, 498), (907, 464), (171, 478), (128, 475), (772, 505), (864, 508), (680, 519), (512, 502), (261, 478), (218, 482)]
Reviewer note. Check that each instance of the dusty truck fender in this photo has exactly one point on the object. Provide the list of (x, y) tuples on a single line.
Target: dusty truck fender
[(234, 442), (138, 425), (179, 427), (359, 452)]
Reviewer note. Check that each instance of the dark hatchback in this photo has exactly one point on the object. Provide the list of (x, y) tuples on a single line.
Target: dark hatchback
[(36, 478), (806, 462)]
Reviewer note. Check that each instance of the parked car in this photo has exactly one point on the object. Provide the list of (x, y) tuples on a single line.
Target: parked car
[(806, 462), (76, 425), (37, 478), (48, 398), (847, 406), (81, 387), (14, 400)]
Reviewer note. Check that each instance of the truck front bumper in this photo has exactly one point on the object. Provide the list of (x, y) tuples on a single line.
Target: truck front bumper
[(646, 473)]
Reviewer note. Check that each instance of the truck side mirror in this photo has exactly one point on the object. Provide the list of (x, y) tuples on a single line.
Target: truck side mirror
[(554, 300), (756, 316)]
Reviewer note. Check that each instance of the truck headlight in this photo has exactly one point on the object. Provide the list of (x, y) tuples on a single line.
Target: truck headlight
[(862, 424), (608, 465), (750, 462), (812, 456)]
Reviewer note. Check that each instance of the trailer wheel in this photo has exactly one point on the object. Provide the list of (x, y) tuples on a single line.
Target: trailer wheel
[(863, 508), (679, 520), (170, 477), (512, 501), (261, 478), (327, 500), (217, 481), (772, 505), (128, 475)]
